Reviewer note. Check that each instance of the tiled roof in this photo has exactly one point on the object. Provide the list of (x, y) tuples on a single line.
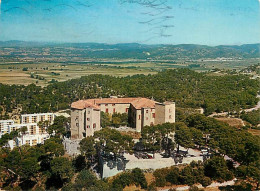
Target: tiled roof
[(138, 103), (143, 103)]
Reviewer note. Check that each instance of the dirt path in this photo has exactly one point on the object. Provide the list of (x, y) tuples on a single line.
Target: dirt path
[(246, 110), (213, 185)]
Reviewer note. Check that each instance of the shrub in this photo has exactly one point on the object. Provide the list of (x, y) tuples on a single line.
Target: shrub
[(206, 181), (160, 176), (173, 176)]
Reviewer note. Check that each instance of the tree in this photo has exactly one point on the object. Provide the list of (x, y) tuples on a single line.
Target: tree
[(254, 173), (110, 140), (87, 148), (85, 179), (151, 138), (206, 181), (160, 176), (62, 168), (216, 168), (249, 151), (79, 163), (58, 126), (54, 147), (173, 176), (194, 188), (139, 178), (186, 176), (183, 137), (105, 120), (197, 136), (23, 130), (166, 135), (29, 168), (116, 121)]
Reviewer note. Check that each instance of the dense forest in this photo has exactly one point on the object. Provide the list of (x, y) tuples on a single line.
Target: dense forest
[(187, 88), (252, 117), (45, 167)]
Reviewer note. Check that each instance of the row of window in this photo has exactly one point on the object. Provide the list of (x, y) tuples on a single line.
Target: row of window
[(111, 104), (153, 116), (114, 110), (88, 126)]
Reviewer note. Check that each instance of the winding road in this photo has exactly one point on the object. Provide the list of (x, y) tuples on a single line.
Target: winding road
[(246, 110)]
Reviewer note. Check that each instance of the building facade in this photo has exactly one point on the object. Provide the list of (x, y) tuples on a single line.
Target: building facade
[(33, 135), (37, 117), (4, 126), (85, 114)]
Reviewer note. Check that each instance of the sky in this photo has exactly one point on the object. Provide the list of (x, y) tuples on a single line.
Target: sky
[(208, 22)]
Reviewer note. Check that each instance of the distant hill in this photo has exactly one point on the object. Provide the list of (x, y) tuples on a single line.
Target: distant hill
[(142, 51)]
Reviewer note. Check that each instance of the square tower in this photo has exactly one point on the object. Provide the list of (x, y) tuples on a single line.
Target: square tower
[(164, 112)]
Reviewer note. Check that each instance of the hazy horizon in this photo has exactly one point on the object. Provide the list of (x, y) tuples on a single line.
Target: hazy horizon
[(57, 42)]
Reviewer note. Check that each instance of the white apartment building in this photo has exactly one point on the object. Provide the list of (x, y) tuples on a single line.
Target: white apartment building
[(37, 117), (4, 126), (28, 139), (33, 135)]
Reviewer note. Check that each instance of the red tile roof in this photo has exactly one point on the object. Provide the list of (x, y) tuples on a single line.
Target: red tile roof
[(138, 103), (143, 103)]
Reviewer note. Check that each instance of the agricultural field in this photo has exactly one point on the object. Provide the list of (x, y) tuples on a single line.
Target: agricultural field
[(26, 63), (43, 74)]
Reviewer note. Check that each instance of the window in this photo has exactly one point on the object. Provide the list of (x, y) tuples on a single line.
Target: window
[(114, 110), (77, 124), (88, 126), (113, 104), (147, 111), (94, 125), (139, 117), (106, 104), (153, 115), (106, 110), (170, 116), (88, 119), (126, 110), (84, 134)]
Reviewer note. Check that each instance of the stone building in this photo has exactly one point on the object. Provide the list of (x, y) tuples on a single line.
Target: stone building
[(85, 114)]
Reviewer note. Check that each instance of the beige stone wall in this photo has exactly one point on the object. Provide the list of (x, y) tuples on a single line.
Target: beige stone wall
[(147, 116), (77, 123), (138, 119), (92, 121), (83, 123), (164, 112), (118, 108), (97, 119), (159, 113), (170, 112)]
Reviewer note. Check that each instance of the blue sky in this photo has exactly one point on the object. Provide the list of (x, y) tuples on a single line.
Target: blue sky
[(210, 22)]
